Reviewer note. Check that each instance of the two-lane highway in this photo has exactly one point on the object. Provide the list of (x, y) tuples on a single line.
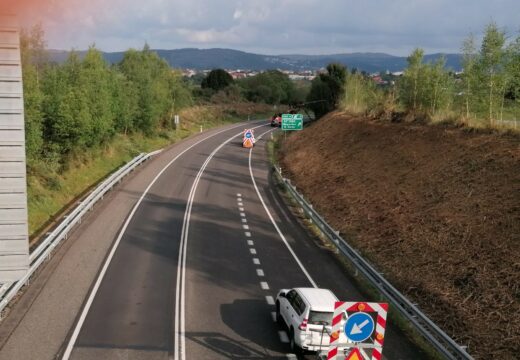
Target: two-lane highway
[(192, 271)]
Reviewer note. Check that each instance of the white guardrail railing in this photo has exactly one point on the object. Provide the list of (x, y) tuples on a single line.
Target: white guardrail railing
[(9, 290), (435, 336)]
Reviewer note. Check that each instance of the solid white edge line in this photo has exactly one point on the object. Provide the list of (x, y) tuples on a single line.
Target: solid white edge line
[(93, 292), (276, 226), (180, 319)]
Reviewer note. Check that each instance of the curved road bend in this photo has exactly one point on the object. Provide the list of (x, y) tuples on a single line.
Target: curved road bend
[(232, 262)]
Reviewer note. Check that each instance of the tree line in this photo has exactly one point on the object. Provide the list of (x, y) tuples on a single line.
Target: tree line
[(488, 88), (85, 102)]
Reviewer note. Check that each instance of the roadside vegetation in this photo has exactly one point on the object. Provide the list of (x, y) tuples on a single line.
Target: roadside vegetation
[(485, 95), (85, 118)]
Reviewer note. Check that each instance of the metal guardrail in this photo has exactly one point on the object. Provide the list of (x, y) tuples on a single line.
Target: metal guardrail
[(435, 336), (9, 290)]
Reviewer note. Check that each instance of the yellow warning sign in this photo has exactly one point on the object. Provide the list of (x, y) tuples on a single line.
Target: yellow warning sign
[(354, 355)]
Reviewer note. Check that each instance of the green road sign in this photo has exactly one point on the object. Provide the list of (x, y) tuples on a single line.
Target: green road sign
[(292, 122)]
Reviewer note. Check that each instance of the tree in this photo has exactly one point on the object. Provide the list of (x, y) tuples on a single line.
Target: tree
[(491, 68), (469, 75), (32, 48), (327, 89), (217, 79)]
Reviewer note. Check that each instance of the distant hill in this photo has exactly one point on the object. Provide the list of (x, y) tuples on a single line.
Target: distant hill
[(201, 59)]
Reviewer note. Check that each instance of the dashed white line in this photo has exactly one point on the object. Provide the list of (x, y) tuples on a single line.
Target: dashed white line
[(240, 209), (250, 242), (239, 199), (243, 214), (240, 204), (283, 337), (244, 220), (252, 251), (270, 300), (273, 316), (248, 234), (264, 285), (260, 272), (256, 261), (291, 356), (239, 195), (246, 227)]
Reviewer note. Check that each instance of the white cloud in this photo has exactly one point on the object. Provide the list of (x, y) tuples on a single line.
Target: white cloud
[(273, 26)]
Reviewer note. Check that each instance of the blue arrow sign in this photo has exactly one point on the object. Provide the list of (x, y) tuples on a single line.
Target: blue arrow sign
[(359, 327)]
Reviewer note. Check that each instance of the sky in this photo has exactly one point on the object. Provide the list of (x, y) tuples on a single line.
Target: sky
[(267, 26)]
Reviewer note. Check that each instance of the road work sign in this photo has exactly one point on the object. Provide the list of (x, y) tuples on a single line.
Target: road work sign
[(292, 122), (249, 138), (358, 322)]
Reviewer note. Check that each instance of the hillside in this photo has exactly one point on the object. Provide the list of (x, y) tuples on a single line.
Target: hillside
[(435, 208), (201, 59)]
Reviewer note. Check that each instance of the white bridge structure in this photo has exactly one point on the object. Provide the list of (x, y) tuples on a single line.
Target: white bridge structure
[(14, 244)]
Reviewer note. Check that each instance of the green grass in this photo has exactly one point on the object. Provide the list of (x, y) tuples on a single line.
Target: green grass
[(52, 189)]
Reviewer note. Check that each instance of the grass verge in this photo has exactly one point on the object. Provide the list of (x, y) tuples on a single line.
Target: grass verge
[(53, 189)]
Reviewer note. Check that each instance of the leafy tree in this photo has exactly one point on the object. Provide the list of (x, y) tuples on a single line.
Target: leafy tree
[(469, 75), (491, 67), (217, 79), (32, 48), (271, 87), (327, 89)]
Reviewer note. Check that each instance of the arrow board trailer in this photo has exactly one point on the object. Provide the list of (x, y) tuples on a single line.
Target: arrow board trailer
[(358, 325), (248, 141)]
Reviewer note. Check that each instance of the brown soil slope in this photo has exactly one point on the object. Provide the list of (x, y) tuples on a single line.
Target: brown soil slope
[(437, 209)]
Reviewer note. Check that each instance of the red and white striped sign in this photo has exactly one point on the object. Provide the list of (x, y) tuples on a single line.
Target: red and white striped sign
[(342, 307)]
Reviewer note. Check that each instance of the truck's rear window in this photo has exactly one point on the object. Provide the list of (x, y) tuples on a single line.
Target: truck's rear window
[(320, 318)]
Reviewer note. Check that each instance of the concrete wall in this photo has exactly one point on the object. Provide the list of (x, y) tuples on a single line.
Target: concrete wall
[(14, 245)]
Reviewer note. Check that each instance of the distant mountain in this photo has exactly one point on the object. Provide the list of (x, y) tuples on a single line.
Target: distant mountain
[(201, 59)]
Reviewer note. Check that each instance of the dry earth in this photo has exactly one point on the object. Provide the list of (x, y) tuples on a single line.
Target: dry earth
[(436, 208)]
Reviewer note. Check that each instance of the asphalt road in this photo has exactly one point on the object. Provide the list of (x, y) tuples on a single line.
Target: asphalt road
[(194, 269)]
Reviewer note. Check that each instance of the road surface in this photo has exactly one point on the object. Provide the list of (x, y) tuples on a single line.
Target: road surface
[(194, 264)]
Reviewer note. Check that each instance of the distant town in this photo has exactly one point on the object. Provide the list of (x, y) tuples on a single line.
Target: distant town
[(384, 78)]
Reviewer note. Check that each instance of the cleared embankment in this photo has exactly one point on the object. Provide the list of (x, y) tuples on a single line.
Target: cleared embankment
[(436, 208)]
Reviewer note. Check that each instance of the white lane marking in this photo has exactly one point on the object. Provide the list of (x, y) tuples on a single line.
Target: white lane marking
[(250, 243), (240, 209), (246, 227), (243, 214), (239, 195), (244, 220), (95, 288), (273, 316), (270, 300), (260, 272), (180, 291), (252, 251), (283, 336), (276, 226), (256, 261), (291, 356), (248, 234), (240, 204), (264, 286), (239, 199)]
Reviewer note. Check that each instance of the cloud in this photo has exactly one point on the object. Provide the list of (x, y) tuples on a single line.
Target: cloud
[(271, 26)]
